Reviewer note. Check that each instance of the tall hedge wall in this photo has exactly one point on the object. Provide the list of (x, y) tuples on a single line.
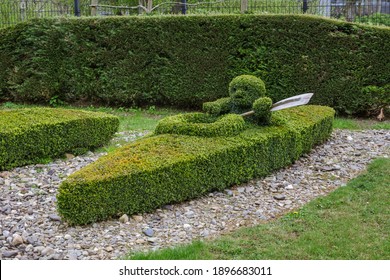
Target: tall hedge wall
[(185, 61)]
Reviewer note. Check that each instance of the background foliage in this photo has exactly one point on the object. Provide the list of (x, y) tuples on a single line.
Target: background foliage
[(185, 61)]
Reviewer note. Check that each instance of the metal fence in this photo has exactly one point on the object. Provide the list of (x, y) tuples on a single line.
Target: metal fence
[(367, 11)]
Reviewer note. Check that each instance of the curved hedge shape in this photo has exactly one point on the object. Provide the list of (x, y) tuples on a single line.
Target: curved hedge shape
[(199, 124), (146, 60), (30, 135), (163, 169)]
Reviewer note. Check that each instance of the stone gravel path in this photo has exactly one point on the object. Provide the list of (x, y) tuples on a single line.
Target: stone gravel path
[(30, 227)]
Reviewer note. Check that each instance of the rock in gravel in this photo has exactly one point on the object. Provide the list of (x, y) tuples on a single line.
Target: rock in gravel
[(10, 254), (54, 217), (47, 251), (137, 218), (16, 239), (124, 219), (148, 232), (280, 197)]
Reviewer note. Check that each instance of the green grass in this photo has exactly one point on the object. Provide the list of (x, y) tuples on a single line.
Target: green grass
[(353, 223), (359, 124)]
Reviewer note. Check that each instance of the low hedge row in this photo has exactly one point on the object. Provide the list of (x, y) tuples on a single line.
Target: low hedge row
[(185, 61), (30, 135), (169, 168)]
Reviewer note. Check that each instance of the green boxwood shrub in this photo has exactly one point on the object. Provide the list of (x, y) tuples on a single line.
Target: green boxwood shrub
[(170, 168), (262, 108), (199, 124), (29, 135), (245, 89), (186, 61), (218, 107)]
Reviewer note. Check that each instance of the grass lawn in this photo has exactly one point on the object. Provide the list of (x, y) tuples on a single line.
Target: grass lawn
[(360, 124), (352, 223)]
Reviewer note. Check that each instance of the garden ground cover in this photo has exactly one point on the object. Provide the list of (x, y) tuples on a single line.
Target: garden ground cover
[(353, 222)]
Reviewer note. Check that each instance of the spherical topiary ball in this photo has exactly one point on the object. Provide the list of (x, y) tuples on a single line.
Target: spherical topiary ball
[(245, 89), (262, 108)]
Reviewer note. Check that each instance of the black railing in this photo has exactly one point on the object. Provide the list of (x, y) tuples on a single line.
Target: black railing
[(366, 11)]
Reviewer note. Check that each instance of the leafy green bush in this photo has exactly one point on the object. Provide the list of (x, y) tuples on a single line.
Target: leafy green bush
[(30, 135), (245, 89), (376, 98), (169, 168), (186, 61), (198, 124), (262, 108), (218, 107)]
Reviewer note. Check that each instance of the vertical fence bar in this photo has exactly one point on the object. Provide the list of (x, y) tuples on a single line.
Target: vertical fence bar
[(244, 6), (23, 7), (94, 4), (305, 6), (183, 7), (77, 8)]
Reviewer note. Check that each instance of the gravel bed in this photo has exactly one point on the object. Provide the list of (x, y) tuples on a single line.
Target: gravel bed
[(30, 227)]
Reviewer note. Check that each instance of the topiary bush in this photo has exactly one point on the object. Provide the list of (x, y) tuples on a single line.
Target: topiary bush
[(29, 135), (169, 168), (199, 124), (245, 89), (262, 108)]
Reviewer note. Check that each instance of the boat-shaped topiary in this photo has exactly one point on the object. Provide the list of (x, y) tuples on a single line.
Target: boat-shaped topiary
[(170, 167)]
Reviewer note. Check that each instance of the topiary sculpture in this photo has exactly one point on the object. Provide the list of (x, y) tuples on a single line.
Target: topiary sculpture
[(245, 92)]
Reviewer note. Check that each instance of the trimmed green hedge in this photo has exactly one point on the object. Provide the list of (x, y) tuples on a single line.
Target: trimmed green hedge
[(168, 168), (185, 61), (199, 124), (30, 135)]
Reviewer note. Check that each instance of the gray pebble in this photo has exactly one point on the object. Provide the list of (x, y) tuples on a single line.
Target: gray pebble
[(54, 217), (148, 232), (10, 254), (279, 197)]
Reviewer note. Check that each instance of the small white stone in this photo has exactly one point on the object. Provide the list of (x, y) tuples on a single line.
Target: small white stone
[(124, 219), (16, 239), (137, 218)]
